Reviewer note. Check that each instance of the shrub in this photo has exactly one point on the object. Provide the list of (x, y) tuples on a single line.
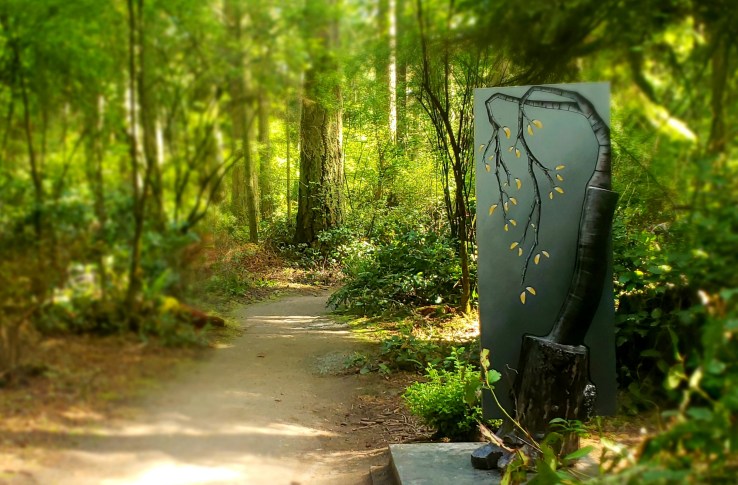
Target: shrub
[(449, 400), (414, 269), (662, 277)]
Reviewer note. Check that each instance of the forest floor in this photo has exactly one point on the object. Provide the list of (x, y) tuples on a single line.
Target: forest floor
[(274, 405), (275, 398)]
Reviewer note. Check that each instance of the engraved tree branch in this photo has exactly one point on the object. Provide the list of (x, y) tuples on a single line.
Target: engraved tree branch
[(541, 175)]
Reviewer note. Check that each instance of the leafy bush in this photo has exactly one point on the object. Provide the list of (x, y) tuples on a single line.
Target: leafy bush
[(701, 442), (449, 400), (662, 277), (414, 269)]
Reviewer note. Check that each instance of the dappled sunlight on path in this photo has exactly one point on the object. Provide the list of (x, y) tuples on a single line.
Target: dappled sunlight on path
[(261, 410)]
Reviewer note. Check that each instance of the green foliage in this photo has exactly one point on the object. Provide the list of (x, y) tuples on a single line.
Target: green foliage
[(415, 268), (171, 331), (407, 352), (449, 400), (700, 444), (662, 279)]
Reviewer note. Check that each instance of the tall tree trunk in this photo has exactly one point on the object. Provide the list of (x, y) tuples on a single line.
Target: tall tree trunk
[(392, 71), (287, 136), (135, 277), (320, 199), (243, 201), (96, 182), (38, 285), (147, 124), (719, 63), (266, 173), (401, 62)]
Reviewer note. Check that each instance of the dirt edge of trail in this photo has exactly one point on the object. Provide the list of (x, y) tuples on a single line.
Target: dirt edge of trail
[(275, 405)]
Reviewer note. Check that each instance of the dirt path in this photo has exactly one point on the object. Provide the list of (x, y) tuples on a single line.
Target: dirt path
[(269, 408)]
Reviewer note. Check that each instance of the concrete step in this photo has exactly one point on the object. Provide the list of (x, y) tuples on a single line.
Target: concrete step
[(382, 475), (438, 464)]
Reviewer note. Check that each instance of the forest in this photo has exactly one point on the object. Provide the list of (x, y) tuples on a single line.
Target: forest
[(152, 150)]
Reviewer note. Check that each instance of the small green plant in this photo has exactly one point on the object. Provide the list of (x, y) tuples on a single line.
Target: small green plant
[(449, 400), (358, 362), (407, 352)]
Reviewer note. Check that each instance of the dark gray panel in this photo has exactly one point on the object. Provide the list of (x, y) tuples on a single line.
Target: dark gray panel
[(558, 138)]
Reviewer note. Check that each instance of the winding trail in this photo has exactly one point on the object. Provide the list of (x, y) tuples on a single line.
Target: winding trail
[(265, 409)]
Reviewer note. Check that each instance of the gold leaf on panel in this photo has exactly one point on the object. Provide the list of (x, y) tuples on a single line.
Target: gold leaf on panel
[(545, 253), (514, 200), (492, 209), (506, 130), (559, 177), (520, 251), (511, 148), (506, 228), (559, 190), (551, 195), (537, 258), (530, 130), (538, 123), (513, 245), (487, 167), (560, 167), (517, 153), (531, 290), (513, 222), (522, 298)]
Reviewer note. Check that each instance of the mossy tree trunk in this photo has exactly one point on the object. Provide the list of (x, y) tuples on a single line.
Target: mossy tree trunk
[(320, 196)]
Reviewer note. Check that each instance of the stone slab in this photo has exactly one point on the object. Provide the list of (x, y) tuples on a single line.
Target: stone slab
[(382, 475), (438, 464)]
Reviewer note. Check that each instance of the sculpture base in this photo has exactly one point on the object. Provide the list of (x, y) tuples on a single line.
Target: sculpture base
[(553, 382)]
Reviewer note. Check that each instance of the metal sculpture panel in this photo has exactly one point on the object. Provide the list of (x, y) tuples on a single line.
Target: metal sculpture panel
[(544, 206)]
